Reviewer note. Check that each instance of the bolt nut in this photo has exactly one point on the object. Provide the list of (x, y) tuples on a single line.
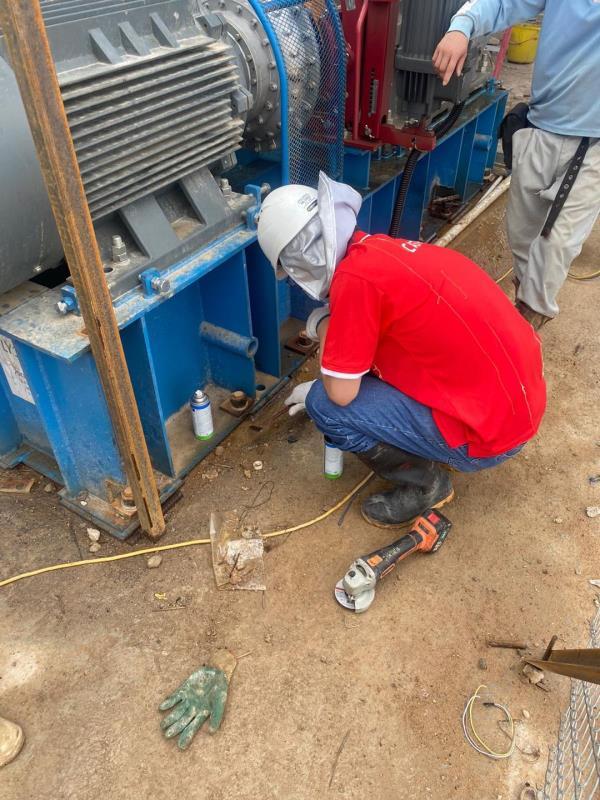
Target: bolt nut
[(238, 399), (161, 285)]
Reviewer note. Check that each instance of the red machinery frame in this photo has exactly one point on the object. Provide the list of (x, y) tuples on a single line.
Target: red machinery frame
[(370, 32)]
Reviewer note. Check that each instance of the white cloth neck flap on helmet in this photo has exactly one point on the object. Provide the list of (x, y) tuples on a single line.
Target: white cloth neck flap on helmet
[(312, 255)]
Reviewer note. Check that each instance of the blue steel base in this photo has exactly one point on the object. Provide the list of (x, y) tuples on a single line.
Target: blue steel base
[(222, 327)]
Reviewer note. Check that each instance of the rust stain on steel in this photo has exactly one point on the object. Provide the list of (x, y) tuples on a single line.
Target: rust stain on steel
[(32, 63)]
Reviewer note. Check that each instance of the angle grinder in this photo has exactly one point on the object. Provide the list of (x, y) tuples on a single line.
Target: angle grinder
[(356, 590)]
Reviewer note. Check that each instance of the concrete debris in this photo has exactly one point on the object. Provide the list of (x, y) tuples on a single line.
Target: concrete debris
[(482, 664), (154, 561), (595, 583), (257, 465), (210, 474), (533, 674), (49, 488), (93, 534), (593, 511), (525, 714), (94, 547), (219, 450), (558, 520), (578, 571), (247, 473), (237, 562)]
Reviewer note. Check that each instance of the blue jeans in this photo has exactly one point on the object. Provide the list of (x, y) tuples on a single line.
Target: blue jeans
[(381, 413)]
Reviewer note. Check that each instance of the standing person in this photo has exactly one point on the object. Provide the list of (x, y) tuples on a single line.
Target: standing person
[(425, 362), (564, 126)]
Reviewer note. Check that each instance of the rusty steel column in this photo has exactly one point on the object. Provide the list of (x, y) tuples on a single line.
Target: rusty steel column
[(32, 63)]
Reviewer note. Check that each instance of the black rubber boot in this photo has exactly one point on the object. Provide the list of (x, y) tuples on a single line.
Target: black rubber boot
[(420, 484)]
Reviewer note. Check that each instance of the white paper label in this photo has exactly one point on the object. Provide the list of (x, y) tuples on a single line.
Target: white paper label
[(14, 371)]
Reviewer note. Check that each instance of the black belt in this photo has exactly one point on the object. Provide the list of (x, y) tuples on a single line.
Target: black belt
[(566, 186)]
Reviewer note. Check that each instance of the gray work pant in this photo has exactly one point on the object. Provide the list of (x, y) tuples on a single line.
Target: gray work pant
[(540, 160)]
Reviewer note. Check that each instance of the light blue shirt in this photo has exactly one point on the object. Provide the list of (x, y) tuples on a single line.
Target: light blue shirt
[(565, 90)]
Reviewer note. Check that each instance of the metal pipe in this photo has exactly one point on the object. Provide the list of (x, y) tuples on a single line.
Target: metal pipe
[(497, 189), (34, 69), (229, 340)]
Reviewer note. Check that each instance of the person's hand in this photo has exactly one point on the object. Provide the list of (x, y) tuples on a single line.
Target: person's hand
[(297, 400), (450, 54), (202, 696)]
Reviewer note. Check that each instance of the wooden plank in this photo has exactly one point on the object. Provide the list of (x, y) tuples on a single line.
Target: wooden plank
[(33, 65)]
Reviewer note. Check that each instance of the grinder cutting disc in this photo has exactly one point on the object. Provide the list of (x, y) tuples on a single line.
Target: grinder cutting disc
[(364, 600), (341, 596)]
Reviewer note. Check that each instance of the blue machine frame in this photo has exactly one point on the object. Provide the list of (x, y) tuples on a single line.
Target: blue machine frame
[(225, 325)]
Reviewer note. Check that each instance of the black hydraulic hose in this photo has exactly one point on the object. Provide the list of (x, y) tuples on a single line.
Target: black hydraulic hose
[(444, 126), (409, 168)]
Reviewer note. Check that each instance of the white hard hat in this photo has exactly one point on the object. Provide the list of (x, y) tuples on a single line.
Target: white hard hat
[(283, 214)]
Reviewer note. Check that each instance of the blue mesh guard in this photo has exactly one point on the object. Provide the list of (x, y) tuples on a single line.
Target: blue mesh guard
[(310, 38)]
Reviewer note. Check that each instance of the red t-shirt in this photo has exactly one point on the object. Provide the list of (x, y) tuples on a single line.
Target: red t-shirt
[(433, 324)]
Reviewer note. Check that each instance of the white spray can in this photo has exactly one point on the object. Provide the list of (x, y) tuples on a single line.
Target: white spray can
[(202, 415), (333, 461)]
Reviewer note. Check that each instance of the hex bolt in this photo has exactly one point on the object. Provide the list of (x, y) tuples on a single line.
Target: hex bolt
[(225, 187), (265, 42), (265, 188), (161, 285), (269, 105), (62, 308), (273, 87), (238, 399), (119, 251), (254, 23), (127, 497)]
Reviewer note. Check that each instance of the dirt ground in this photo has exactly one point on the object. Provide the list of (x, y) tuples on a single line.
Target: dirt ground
[(87, 655)]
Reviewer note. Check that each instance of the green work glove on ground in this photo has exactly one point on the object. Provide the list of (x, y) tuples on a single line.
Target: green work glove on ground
[(202, 696)]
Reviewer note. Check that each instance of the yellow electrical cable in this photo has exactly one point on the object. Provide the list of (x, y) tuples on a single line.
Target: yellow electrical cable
[(485, 746), (176, 545), (506, 274), (588, 277)]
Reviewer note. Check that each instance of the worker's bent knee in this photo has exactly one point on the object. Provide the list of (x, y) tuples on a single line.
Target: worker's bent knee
[(337, 422)]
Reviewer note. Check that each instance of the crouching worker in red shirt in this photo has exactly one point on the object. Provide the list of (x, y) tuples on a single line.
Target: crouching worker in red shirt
[(425, 362)]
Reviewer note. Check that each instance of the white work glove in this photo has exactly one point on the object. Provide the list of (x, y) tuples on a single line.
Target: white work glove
[(297, 400), (315, 317)]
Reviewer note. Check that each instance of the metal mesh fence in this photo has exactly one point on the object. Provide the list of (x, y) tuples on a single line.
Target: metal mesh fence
[(312, 45), (574, 764)]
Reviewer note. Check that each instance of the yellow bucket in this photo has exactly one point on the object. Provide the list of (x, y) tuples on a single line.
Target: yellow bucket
[(523, 43)]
